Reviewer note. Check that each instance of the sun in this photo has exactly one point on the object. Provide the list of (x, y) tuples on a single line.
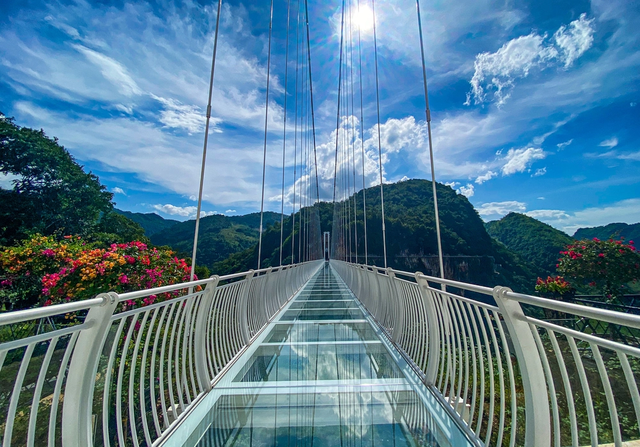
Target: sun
[(362, 18)]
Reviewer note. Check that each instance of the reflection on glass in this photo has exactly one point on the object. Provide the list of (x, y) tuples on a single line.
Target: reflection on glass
[(344, 304), (315, 332), (329, 314), (319, 362), (348, 419)]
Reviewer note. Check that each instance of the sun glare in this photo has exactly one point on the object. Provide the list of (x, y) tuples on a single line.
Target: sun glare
[(363, 18)]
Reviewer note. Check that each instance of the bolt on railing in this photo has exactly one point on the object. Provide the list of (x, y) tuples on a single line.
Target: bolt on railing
[(508, 375), (129, 373)]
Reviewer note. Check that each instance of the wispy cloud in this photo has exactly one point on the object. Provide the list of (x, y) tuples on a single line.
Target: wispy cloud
[(182, 211), (500, 209), (518, 160), (610, 143), (118, 190), (564, 144)]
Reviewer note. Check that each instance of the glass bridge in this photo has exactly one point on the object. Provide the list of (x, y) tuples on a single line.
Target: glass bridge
[(321, 373)]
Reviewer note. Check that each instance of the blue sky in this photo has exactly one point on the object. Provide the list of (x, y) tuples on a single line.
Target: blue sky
[(534, 104)]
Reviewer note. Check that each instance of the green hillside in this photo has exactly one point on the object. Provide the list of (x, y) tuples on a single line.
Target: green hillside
[(470, 253), (533, 240), (220, 236), (151, 222), (613, 230)]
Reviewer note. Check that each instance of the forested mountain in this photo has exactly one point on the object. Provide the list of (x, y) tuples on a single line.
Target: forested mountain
[(613, 230), (470, 253), (533, 240), (151, 222), (220, 236)]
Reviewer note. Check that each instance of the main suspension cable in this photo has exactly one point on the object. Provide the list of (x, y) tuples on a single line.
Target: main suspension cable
[(266, 123), (206, 142), (364, 186)]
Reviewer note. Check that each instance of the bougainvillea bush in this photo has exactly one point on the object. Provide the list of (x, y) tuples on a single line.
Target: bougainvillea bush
[(605, 266), (70, 270), (554, 286)]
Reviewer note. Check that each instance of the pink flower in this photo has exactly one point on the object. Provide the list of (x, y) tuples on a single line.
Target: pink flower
[(49, 253), (595, 239), (48, 303), (601, 255), (6, 283), (123, 279)]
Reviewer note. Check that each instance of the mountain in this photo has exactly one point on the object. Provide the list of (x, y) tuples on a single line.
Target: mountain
[(220, 236), (151, 222), (471, 254), (533, 240), (613, 230)]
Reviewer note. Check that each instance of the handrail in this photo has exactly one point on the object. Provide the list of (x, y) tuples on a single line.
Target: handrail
[(576, 387), (130, 370)]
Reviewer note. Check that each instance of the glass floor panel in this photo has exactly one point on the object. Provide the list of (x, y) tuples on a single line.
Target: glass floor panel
[(343, 304), (319, 362), (317, 314), (318, 332), (317, 377), (358, 419)]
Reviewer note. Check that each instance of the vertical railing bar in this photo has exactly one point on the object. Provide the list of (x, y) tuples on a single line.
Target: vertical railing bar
[(512, 387), (631, 382), (152, 387), (35, 402), (15, 395), (53, 415), (123, 358), (182, 350), (608, 392), (593, 432), (132, 378), (143, 399), (477, 358), (496, 351), (174, 363), (567, 388), (171, 322), (107, 384), (487, 348), (550, 384)]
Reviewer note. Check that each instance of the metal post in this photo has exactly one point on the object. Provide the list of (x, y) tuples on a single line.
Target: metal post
[(77, 424), (433, 355), (244, 308), (536, 400), (200, 341)]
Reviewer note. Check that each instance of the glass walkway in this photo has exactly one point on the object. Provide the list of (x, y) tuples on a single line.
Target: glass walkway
[(320, 374)]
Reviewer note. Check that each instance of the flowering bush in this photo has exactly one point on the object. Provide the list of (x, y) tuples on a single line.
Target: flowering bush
[(23, 266), (553, 286), (603, 265), (68, 270)]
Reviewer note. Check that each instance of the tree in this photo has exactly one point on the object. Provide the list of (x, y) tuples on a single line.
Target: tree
[(602, 265), (51, 192)]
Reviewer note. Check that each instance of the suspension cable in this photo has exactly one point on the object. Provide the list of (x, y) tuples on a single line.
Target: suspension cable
[(266, 123), (353, 140), (206, 141), (364, 186), (433, 174), (375, 50), (295, 142), (284, 137), (313, 119)]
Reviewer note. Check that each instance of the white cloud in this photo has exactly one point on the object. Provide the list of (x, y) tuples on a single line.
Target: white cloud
[(539, 172), (497, 72), (186, 211), (541, 198), (547, 214), (518, 160), (575, 40), (564, 144), (118, 190), (230, 211), (467, 191), (112, 70), (452, 185), (486, 177), (501, 208), (610, 143), (180, 116), (635, 156)]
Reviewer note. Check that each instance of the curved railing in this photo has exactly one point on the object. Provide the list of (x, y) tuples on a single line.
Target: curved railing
[(506, 363), (125, 369)]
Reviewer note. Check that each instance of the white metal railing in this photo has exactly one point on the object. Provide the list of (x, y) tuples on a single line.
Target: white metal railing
[(129, 372), (514, 372)]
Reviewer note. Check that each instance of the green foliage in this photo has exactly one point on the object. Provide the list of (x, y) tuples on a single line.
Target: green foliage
[(51, 192), (602, 265), (114, 228), (610, 231), (220, 236), (533, 240), (553, 286), (150, 222)]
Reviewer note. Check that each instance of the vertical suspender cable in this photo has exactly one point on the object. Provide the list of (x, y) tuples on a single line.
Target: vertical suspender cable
[(353, 141), (375, 49), (266, 120), (364, 186), (206, 141), (335, 164), (433, 174), (284, 137), (313, 119), (295, 143)]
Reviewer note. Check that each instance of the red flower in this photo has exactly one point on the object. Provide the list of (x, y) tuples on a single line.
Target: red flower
[(601, 255)]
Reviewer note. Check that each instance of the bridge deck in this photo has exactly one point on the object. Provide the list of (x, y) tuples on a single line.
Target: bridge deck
[(320, 374)]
